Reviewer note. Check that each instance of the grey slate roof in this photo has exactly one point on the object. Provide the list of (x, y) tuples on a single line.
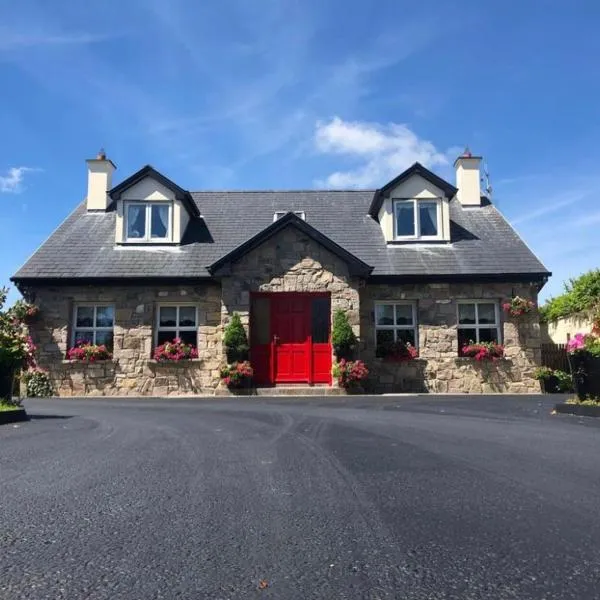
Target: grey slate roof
[(483, 243)]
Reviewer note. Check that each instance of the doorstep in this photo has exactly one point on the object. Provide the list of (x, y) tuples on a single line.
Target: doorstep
[(284, 390)]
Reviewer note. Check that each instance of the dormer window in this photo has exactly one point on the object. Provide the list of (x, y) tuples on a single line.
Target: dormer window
[(148, 221), (299, 213), (417, 219)]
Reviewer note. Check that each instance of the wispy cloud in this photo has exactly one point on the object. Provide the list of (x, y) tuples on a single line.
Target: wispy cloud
[(12, 182), (586, 220), (382, 150), (14, 41), (552, 205)]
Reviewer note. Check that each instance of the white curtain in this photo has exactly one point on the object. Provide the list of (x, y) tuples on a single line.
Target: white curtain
[(135, 223), (429, 219)]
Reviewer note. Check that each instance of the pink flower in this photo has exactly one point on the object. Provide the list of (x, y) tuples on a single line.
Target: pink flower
[(576, 343)]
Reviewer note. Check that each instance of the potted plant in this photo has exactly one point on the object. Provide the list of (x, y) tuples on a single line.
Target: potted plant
[(235, 340), (237, 375), (397, 351), (85, 352), (583, 351), (350, 374), (547, 379), (16, 347), (483, 351), (175, 351), (343, 338), (519, 306)]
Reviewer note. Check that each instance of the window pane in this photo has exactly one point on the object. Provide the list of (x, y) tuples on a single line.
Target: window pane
[(487, 314), (384, 336), (84, 336), (168, 316), (384, 314), (189, 337), (105, 337), (85, 316), (165, 336), (260, 321), (187, 316), (160, 221), (466, 336), (321, 319), (466, 314), (404, 314), (406, 336), (104, 316), (488, 335), (405, 219), (136, 221), (428, 218)]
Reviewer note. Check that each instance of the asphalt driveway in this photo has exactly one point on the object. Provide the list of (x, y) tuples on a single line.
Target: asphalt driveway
[(411, 498)]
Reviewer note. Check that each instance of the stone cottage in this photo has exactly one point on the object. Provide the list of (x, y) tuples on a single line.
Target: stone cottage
[(417, 261)]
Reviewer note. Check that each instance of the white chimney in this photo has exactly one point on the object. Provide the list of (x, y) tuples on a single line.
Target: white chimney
[(468, 180), (100, 170)]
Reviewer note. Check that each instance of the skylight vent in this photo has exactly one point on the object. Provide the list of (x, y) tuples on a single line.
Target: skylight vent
[(281, 213)]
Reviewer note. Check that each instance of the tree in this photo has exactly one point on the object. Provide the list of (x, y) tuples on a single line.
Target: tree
[(342, 337), (235, 340)]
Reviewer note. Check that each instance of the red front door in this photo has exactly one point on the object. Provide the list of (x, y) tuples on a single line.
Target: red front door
[(290, 338), (290, 325)]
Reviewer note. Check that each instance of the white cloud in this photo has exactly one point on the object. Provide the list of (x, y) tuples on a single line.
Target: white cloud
[(13, 41), (384, 151), (11, 183)]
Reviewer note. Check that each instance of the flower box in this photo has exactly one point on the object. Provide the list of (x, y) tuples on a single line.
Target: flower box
[(175, 351), (88, 353), (483, 351)]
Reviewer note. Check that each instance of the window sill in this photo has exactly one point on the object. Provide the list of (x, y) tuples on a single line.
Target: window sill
[(67, 361), (408, 241), (148, 243), (401, 361), (176, 363), (471, 359)]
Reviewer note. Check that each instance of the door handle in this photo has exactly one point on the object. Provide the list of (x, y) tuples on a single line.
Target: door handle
[(276, 339)]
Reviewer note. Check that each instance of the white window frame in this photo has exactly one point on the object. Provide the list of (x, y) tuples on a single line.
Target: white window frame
[(417, 218), (281, 213), (395, 328), (148, 239), (177, 328), (496, 325), (94, 329)]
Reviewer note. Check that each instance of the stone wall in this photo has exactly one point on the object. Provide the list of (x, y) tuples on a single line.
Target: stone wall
[(439, 368), (290, 261), (131, 371)]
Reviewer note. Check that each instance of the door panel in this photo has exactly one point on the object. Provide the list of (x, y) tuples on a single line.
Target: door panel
[(290, 338), (290, 326)]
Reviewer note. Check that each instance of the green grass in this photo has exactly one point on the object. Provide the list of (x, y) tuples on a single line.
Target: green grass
[(6, 407)]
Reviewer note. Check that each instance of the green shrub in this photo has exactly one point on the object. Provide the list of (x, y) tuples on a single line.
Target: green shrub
[(565, 381), (37, 384), (543, 373), (236, 340), (342, 337), (581, 294)]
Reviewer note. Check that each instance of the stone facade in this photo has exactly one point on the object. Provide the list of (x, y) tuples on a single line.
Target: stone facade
[(290, 261), (131, 372), (439, 368)]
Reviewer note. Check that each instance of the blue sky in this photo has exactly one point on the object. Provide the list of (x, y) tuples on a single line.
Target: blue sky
[(300, 94)]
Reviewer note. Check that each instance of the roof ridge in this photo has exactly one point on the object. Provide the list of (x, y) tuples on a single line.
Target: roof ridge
[(277, 191)]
